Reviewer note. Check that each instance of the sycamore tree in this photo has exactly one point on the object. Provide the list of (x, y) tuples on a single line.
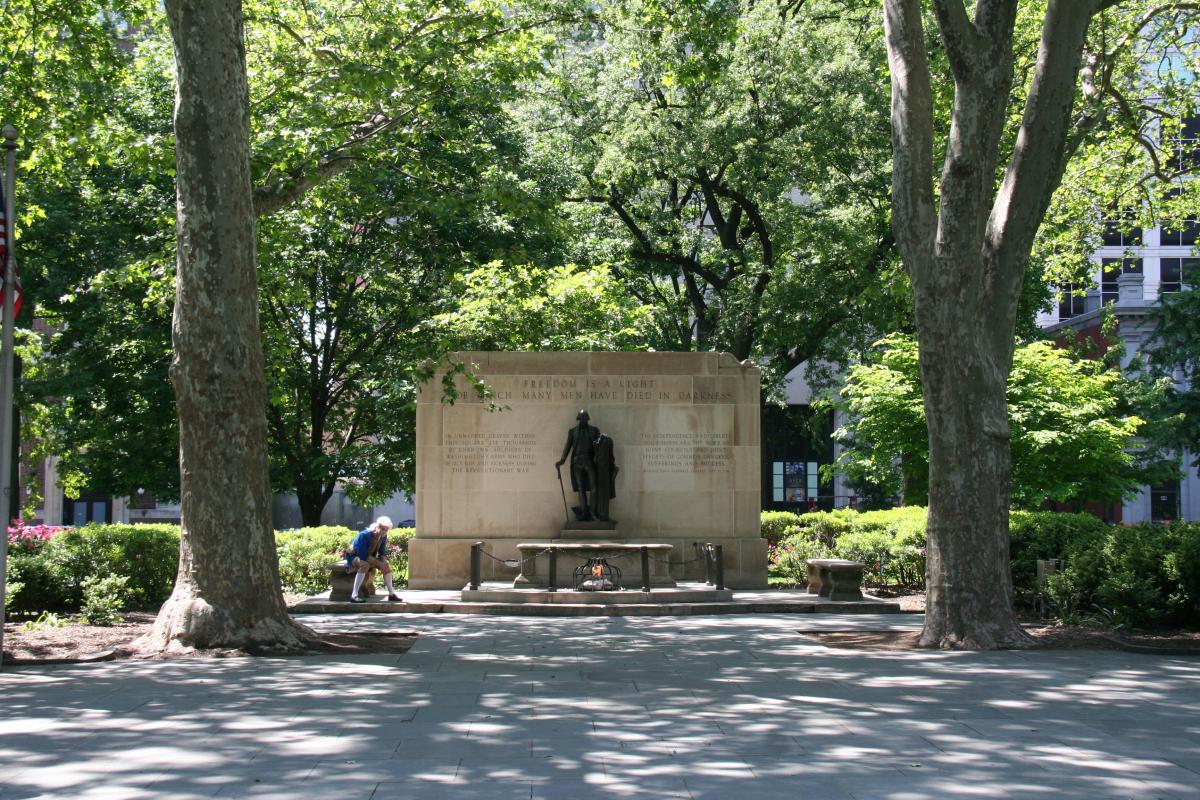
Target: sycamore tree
[(408, 210), (227, 589), (1074, 436), (728, 163), (1005, 140)]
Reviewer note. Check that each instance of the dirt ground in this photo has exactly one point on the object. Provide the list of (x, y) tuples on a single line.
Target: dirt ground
[(76, 642)]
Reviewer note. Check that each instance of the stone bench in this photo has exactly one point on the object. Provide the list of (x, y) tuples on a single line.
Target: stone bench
[(835, 578), (341, 583)]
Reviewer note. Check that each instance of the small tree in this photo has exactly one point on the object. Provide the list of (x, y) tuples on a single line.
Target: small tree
[(1071, 439)]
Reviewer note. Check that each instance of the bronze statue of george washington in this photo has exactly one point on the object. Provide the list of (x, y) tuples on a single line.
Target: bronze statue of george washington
[(581, 449)]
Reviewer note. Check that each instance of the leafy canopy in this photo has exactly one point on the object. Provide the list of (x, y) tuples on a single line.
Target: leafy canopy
[(1071, 441)]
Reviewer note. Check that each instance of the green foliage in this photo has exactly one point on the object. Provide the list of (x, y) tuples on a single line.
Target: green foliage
[(1049, 535), (388, 122), (891, 543), (47, 619), (1070, 440), (104, 569), (1108, 180), (1140, 576), (789, 559), (36, 586), (306, 553), (775, 525), (561, 308), (12, 586), (148, 555), (705, 156), (104, 598), (1175, 345)]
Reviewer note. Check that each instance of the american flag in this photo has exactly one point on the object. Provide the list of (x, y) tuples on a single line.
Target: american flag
[(3, 257)]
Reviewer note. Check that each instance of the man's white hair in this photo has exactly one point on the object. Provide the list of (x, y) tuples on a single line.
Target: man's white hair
[(383, 521)]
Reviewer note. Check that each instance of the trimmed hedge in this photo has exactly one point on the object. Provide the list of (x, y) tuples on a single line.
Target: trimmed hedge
[(1140, 575), (53, 574)]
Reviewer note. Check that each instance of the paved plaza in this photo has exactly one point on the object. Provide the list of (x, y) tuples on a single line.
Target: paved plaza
[(721, 708)]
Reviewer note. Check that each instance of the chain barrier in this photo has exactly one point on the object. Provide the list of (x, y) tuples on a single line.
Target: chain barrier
[(514, 562), (521, 562)]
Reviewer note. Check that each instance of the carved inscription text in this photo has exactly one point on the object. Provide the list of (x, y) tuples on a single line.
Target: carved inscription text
[(492, 453), (685, 452)]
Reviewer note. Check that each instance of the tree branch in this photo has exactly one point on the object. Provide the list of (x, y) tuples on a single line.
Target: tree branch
[(964, 44), (1039, 156)]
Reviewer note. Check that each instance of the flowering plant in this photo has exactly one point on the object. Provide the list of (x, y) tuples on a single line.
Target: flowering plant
[(24, 538)]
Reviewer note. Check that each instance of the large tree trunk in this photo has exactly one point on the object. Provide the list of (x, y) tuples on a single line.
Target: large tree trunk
[(966, 253), (968, 580), (312, 497), (227, 590)]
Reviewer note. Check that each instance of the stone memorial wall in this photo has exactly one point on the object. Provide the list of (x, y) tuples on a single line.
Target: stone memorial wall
[(686, 433)]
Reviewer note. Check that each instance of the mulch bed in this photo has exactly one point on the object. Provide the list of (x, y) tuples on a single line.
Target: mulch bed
[(1045, 637), (76, 643)]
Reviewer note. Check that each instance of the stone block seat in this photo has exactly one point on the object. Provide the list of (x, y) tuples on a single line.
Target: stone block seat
[(835, 578), (341, 583)]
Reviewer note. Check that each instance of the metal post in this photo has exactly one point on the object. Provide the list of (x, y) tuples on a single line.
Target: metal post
[(476, 566), (719, 559), (6, 357), (702, 552), (552, 576), (645, 569)]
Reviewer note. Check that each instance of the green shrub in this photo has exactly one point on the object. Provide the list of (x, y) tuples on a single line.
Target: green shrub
[(36, 587), (103, 599), (1187, 564), (305, 554), (789, 559), (1038, 535), (827, 526), (777, 525), (12, 586), (147, 554), (1139, 575), (47, 619)]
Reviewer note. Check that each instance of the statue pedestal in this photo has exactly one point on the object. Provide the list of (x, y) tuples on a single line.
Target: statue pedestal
[(603, 531)]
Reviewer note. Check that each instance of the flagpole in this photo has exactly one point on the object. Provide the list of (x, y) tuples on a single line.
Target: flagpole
[(6, 363)]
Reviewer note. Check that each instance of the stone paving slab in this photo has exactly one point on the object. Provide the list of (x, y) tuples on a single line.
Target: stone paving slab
[(689, 599), (609, 707)]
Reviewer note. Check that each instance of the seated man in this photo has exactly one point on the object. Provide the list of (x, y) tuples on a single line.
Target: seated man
[(369, 549)]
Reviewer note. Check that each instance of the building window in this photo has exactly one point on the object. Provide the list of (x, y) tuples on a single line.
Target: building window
[(1184, 148), (89, 508), (1164, 501), (1113, 268), (1119, 230), (1177, 273), (1072, 302), (1188, 227)]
